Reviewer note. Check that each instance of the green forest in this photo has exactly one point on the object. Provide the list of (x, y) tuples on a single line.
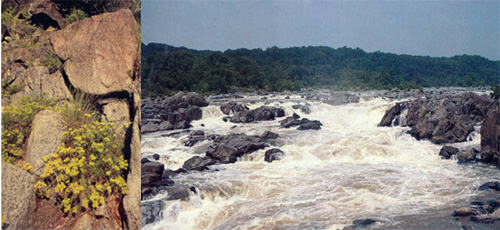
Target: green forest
[(167, 69)]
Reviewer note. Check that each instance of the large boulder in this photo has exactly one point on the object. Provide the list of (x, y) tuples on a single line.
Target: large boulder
[(227, 149), (184, 100), (92, 59), (45, 138), (232, 107), (443, 118), (447, 151), (18, 197), (198, 163), (151, 211), (263, 113), (390, 115), (490, 138), (274, 154)]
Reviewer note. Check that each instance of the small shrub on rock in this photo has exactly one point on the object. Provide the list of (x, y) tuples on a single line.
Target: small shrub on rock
[(88, 167), (16, 121)]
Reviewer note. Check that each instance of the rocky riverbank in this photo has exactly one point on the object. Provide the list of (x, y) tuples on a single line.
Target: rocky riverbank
[(216, 149)]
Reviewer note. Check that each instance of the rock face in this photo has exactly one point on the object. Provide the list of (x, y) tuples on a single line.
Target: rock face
[(18, 197), (442, 118), (334, 98), (263, 113), (490, 138), (227, 149), (232, 108), (198, 163), (448, 151), (169, 113), (45, 138), (93, 60), (274, 155), (303, 124)]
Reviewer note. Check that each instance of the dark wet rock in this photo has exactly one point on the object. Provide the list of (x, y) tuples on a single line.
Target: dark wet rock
[(226, 118), (442, 118), (490, 138), (232, 108), (152, 167), (360, 224), (156, 156), (263, 113), (274, 154), (490, 186), (212, 137), (487, 218), (289, 122), (269, 135), (287, 97), (390, 115), (334, 98), (184, 100), (296, 116), (296, 106), (448, 151), (144, 160), (147, 179), (198, 163), (193, 140), (170, 113), (151, 211), (306, 124), (228, 148), (467, 156), (466, 211)]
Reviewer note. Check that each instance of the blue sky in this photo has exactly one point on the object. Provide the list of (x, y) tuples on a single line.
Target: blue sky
[(430, 28)]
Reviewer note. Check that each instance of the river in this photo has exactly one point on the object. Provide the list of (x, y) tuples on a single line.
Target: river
[(350, 169)]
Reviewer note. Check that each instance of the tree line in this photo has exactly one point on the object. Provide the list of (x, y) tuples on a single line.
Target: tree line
[(167, 69)]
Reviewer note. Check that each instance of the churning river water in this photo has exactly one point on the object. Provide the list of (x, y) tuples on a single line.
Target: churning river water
[(350, 169)]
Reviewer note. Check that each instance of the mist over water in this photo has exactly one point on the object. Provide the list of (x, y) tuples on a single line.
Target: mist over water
[(350, 169)]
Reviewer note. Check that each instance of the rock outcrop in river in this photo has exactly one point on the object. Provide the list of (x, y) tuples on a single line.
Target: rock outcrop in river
[(449, 119), (170, 113)]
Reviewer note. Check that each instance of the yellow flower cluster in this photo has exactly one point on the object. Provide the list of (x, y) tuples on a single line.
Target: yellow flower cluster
[(16, 120), (88, 167)]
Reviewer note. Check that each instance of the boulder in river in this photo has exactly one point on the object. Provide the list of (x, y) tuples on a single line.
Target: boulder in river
[(263, 113), (442, 118), (490, 138), (274, 154), (228, 148), (198, 163), (448, 151)]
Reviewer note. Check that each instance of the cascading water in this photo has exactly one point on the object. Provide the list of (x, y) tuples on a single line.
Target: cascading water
[(350, 169)]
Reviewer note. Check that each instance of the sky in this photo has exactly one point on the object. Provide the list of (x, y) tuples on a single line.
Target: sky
[(436, 28)]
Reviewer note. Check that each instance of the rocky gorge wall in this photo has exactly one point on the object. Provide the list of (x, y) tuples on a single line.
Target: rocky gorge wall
[(98, 58)]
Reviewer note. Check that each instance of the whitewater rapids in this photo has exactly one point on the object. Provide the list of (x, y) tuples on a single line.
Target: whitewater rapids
[(350, 169)]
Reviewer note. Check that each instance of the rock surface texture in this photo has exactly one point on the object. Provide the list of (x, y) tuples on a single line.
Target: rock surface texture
[(99, 52), (18, 197), (98, 57), (442, 118)]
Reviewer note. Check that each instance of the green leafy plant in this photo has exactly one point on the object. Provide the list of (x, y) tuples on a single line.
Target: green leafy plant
[(74, 110), (76, 15), (53, 62), (9, 90), (9, 14), (16, 125), (87, 168)]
